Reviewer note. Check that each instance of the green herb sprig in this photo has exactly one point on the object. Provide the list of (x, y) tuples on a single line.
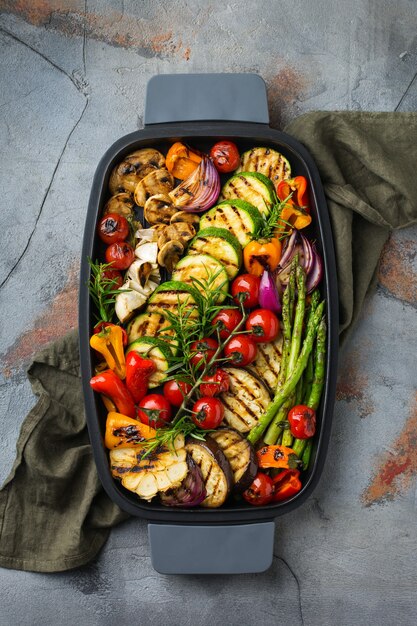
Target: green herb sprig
[(103, 291)]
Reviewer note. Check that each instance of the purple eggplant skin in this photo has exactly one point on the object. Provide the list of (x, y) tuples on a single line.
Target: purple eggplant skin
[(210, 447), (251, 466), (190, 493)]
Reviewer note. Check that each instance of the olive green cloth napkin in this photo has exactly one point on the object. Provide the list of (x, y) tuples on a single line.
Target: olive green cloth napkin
[(54, 515)]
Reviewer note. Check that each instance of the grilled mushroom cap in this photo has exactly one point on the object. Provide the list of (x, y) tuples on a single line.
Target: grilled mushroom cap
[(158, 209), (121, 203), (185, 216), (170, 254), (127, 174), (180, 231), (159, 181)]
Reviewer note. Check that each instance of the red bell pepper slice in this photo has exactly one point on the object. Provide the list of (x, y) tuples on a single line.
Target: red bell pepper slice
[(109, 384), (286, 484), (138, 371), (298, 187)]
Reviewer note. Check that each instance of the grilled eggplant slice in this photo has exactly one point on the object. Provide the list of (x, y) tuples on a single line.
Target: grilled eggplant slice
[(268, 362), (266, 161), (127, 174), (246, 400), (215, 470), (162, 469), (240, 454), (155, 183)]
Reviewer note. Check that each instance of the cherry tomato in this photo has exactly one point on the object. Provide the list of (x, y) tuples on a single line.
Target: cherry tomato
[(225, 156), (158, 410), (113, 227), (215, 384), (302, 421), (208, 413), (174, 391), (241, 349), (249, 285), (226, 321), (261, 490), (101, 325), (113, 275), (263, 324), (204, 350), (120, 254)]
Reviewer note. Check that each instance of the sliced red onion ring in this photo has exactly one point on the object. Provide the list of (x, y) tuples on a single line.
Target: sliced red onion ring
[(191, 492), (316, 273), (288, 251), (268, 293), (200, 190)]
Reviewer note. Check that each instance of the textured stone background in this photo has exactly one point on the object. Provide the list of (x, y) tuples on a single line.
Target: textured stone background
[(73, 78)]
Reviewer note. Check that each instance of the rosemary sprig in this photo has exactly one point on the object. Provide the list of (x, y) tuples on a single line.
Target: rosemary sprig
[(273, 220), (102, 291), (165, 437)]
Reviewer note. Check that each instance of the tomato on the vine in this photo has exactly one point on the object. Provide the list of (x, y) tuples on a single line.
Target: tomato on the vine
[(302, 421), (247, 284), (261, 491), (175, 391), (113, 275), (225, 155), (263, 325), (208, 413), (215, 384), (113, 227), (120, 254), (241, 349), (203, 351), (226, 321), (154, 410)]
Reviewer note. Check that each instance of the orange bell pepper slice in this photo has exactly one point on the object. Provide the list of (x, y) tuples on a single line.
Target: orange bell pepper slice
[(262, 254), (298, 188), (124, 432), (181, 161), (278, 457)]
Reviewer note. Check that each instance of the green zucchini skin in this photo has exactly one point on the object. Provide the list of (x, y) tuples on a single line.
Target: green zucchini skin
[(167, 296), (240, 218), (151, 324), (252, 187), (220, 244)]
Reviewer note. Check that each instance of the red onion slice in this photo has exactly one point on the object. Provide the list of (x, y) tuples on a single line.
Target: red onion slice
[(316, 273), (191, 492), (268, 293), (200, 190)]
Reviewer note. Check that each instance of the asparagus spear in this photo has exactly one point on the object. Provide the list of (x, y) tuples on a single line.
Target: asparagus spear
[(275, 429), (290, 384), (297, 330), (307, 454), (286, 332)]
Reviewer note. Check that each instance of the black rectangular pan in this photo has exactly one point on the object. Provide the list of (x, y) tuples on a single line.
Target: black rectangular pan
[(202, 109)]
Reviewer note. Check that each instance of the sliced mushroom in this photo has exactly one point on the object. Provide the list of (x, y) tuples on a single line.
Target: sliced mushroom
[(185, 216), (157, 182), (181, 231), (121, 203), (158, 209), (127, 174), (170, 254)]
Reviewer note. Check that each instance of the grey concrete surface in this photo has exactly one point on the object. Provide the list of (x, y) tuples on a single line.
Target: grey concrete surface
[(72, 80)]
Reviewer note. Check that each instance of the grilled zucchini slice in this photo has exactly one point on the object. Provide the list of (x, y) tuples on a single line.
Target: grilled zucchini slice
[(151, 324), (159, 471), (240, 218), (215, 470), (246, 400), (266, 161), (158, 351), (207, 270), (167, 296), (268, 362), (240, 454), (220, 244), (252, 187)]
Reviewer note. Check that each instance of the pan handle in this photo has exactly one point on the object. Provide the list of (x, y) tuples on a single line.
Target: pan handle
[(227, 549), (206, 97)]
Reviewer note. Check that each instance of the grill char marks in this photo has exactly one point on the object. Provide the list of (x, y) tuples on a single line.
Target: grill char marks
[(268, 362), (246, 400)]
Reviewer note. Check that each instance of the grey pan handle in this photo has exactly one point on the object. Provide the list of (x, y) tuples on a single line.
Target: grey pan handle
[(206, 97), (234, 549)]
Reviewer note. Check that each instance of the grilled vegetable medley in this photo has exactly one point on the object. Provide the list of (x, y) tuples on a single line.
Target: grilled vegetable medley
[(210, 341)]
